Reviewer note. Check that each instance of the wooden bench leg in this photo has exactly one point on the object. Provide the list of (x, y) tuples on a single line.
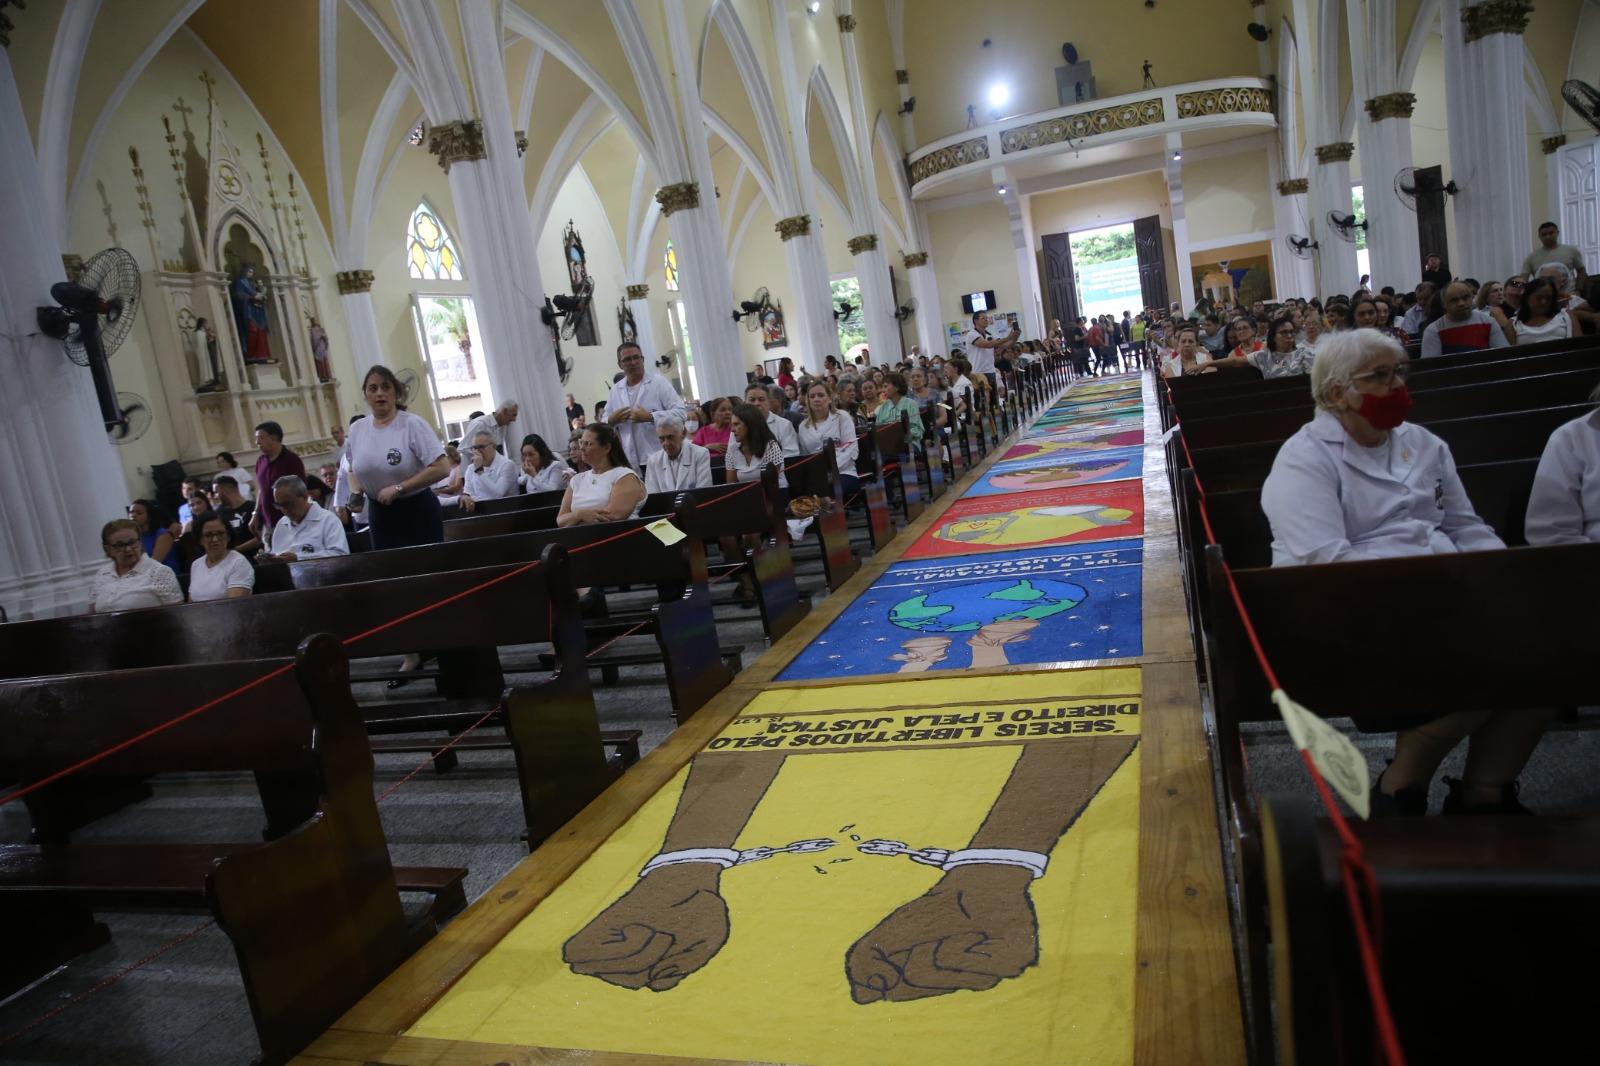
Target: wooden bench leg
[(43, 932)]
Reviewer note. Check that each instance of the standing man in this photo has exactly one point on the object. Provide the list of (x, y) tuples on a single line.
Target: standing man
[(490, 475), (1434, 272), (336, 432), (634, 400), (574, 410), (1551, 250), (494, 423), (980, 347), (274, 462), (679, 464)]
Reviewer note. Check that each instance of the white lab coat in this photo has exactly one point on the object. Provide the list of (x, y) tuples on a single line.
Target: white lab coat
[(1565, 505), (692, 470), (655, 394), (1331, 500)]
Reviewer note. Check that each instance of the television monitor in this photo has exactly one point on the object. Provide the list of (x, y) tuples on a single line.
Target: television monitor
[(973, 302)]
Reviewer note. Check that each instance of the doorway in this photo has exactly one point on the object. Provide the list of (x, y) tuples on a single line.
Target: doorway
[(1105, 264), (458, 379)]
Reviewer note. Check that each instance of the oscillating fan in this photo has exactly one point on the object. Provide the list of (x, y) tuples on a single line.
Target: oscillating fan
[(752, 311), (1345, 225), (906, 310), (844, 310), (1584, 99), (1301, 246), (568, 309), (94, 316)]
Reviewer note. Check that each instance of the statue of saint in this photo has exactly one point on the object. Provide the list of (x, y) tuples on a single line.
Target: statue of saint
[(319, 352), (250, 315)]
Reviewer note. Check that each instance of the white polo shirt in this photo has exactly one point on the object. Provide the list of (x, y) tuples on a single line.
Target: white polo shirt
[(496, 480), (317, 536)]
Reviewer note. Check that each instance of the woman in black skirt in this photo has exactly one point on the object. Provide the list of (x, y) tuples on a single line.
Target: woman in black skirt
[(395, 457)]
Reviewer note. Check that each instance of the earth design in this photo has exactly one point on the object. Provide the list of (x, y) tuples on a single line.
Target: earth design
[(968, 608)]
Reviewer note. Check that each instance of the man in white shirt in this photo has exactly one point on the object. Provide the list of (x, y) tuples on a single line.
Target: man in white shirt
[(680, 464), (760, 398), (1417, 318), (633, 402), (490, 475), (305, 531), (494, 423), (980, 347)]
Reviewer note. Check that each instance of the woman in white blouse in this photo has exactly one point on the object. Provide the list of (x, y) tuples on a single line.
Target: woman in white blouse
[(610, 490), (220, 573), (823, 424), (541, 470), (1541, 317), (753, 447)]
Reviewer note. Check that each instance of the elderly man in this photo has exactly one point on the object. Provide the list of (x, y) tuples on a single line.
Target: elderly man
[(1417, 317), (336, 432), (762, 399), (634, 401), (490, 475), (274, 462), (305, 531), (1551, 250), (494, 423), (680, 464), (1463, 328)]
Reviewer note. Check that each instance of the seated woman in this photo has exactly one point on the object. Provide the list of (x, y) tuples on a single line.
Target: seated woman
[(1187, 358), (823, 426), (609, 490), (896, 403), (1359, 482), (754, 448), (221, 573), (130, 578), (1541, 318), (1490, 301), (930, 402), (155, 532), (541, 470), (1282, 357), (718, 427), (1565, 505)]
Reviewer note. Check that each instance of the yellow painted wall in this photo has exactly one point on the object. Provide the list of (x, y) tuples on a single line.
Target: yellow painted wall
[(1227, 195), (972, 247)]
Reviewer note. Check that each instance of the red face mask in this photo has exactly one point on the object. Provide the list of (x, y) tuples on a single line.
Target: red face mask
[(1386, 411)]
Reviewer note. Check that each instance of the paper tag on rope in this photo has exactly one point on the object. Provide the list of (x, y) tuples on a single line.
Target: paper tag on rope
[(944, 405), (1341, 763), (665, 531), (1165, 437)]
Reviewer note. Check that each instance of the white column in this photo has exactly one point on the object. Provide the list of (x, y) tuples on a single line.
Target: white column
[(49, 540), (361, 322), (1551, 146), (1292, 275), (1487, 113), (1027, 263), (925, 289), (1338, 269), (1395, 255), (703, 270), (872, 265), (1180, 224), (810, 322), (877, 300)]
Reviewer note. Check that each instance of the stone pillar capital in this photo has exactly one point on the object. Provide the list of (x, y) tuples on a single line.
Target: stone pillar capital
[(1391, 105), (1337, 152), (1294, 186), (1496, 16), (1552, 145), (353, 281), (914, 259), (867, 242), (638, 292), (680, 196), (793, 226), (847, 24), (457, 142)]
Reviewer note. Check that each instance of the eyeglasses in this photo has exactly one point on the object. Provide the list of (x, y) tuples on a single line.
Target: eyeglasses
[(121, 545), (482, 447), (1516, 284), (215, 534), (1384, 375)]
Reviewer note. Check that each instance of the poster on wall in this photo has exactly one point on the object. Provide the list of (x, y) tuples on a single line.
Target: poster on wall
[(1000, 323), (578, 274), (773, 332)]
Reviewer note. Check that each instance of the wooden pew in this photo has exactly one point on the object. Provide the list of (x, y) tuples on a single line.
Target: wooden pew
[(696, 668), (506, 504), (819, 476), (314, 916), (896, 455), (1430, 405), (552, 725)]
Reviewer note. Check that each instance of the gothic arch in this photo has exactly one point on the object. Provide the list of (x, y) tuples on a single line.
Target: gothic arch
[(782, 177), (822, 102)]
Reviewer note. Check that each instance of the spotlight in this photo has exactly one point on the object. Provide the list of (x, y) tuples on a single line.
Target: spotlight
[(999, 94), (1177, 154), (1258, 31), (1000, 191), (813, 6)]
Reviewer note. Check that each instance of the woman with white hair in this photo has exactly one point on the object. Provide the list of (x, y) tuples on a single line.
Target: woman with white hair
[(1359, 482), (1565, 505)]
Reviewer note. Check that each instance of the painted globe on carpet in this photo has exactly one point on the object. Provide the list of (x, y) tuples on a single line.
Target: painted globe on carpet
[(968, 608)]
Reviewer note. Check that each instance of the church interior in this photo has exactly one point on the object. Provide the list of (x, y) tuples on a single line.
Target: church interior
[(1031, 716)]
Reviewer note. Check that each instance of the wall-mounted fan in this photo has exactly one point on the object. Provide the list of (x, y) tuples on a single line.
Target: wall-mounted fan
[(664, 362), (752, 311), (844, 310), (1345, 225), (906, 310), (1410, 182), (94, 316), (568, 309), (1584, 99), (1301, 246), (408, 381)]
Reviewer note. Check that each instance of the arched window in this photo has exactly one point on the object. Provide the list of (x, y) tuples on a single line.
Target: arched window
[(671, 264), (430, 250)]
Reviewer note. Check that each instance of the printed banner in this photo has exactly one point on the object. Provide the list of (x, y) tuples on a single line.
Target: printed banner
[(1095, 440), (1060, 470), (1034, 519), (1032, 606), (959, 904)]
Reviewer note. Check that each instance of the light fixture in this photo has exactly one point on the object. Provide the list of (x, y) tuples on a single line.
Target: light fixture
[(1177, 154), (1000, 191), (999, 94), (813, 6)]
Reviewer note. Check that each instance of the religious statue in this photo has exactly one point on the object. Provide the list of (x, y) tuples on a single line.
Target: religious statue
[(578, 274), (206, 357), (250, 315), (319, 352)]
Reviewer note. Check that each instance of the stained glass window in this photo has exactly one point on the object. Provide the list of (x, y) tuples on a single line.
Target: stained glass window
[(672, 268), (430, 250)]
